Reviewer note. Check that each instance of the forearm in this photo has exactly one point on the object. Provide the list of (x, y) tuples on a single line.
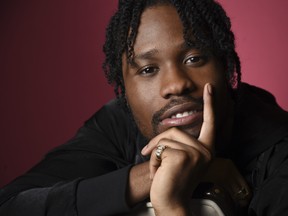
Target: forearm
[(105, 195), (139, 184), (55, 200)]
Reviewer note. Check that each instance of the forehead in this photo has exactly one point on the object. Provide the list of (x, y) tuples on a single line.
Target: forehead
[(158, 24), (163, 14)]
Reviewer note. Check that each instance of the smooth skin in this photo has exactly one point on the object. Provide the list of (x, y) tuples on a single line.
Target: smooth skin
[(166, 76)]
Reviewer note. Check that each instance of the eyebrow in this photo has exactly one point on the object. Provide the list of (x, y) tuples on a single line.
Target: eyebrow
[(142, 56), (151, 53), (146, 55)]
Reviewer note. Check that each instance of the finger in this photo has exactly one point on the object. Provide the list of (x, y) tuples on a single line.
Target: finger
[(173, 134), (207, 133), (155, 162), (153, 167), (172, 146)]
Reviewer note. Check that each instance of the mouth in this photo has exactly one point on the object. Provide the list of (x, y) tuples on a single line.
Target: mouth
[(187, 114), (184, 114)]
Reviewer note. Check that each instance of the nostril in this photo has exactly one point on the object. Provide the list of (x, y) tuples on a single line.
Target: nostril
[(176, 82), (187, 91), (178, 90)]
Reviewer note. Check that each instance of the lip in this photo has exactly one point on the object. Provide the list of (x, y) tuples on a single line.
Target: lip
[(191, 120), (180, 108)]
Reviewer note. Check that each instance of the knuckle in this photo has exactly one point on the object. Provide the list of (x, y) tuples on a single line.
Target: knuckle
[(195, 158), (202, 157), (207, 155), (162, 141), (181, 158)]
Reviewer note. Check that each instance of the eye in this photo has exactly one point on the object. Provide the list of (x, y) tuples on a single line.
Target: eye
[(193, 60), (149, 70), (197, 59)]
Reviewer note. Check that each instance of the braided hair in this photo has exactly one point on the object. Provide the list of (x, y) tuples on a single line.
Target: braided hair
[(205, 23)]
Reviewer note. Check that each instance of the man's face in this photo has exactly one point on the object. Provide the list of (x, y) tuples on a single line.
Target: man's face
[(164, 85)]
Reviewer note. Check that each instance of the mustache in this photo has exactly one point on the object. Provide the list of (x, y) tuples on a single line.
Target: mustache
[(184, 99)]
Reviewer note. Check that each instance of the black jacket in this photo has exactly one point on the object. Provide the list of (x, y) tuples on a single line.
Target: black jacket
[(88, 175)]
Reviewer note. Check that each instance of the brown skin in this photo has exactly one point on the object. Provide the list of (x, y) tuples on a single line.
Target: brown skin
[(167, 76)]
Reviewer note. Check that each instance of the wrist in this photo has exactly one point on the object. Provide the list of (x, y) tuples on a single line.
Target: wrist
[(139, 184), (173, 211)]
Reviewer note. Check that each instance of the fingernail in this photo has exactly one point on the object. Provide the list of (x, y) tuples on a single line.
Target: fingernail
[(210, 89)]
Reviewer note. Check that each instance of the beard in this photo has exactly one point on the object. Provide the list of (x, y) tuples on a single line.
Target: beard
[(156, 118)]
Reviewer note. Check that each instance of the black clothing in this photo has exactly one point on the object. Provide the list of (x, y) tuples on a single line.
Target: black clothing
[(88, 175)]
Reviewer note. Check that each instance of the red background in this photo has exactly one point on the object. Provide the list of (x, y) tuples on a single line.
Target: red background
[(50, 66)]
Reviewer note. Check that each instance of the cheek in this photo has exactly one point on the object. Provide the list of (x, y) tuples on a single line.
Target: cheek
[(141, 99), (213, 75), (222, 96)]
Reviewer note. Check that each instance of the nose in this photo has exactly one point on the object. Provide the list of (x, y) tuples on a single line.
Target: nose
[(176, 82)]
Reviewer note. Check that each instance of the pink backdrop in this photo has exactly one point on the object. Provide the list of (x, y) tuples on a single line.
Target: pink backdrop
[(50, 65)]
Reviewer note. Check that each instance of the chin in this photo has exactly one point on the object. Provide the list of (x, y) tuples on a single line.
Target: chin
[(193, 131)]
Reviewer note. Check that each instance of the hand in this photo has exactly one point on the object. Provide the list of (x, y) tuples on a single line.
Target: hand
[(225, 174), (182, 163)]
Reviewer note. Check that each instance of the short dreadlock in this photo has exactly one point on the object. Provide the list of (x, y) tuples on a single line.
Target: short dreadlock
[(205, 19)]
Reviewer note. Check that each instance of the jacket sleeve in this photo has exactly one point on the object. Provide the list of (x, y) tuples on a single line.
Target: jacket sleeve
[(86, 176)]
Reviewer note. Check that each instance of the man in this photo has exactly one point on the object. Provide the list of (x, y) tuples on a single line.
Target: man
[(181, 106)]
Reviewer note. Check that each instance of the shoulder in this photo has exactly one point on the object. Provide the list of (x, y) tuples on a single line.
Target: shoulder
[(109, 131), (111, 118), (259, 122)]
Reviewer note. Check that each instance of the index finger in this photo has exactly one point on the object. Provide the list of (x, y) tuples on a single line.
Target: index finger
[(207, 133), (174, 134)]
